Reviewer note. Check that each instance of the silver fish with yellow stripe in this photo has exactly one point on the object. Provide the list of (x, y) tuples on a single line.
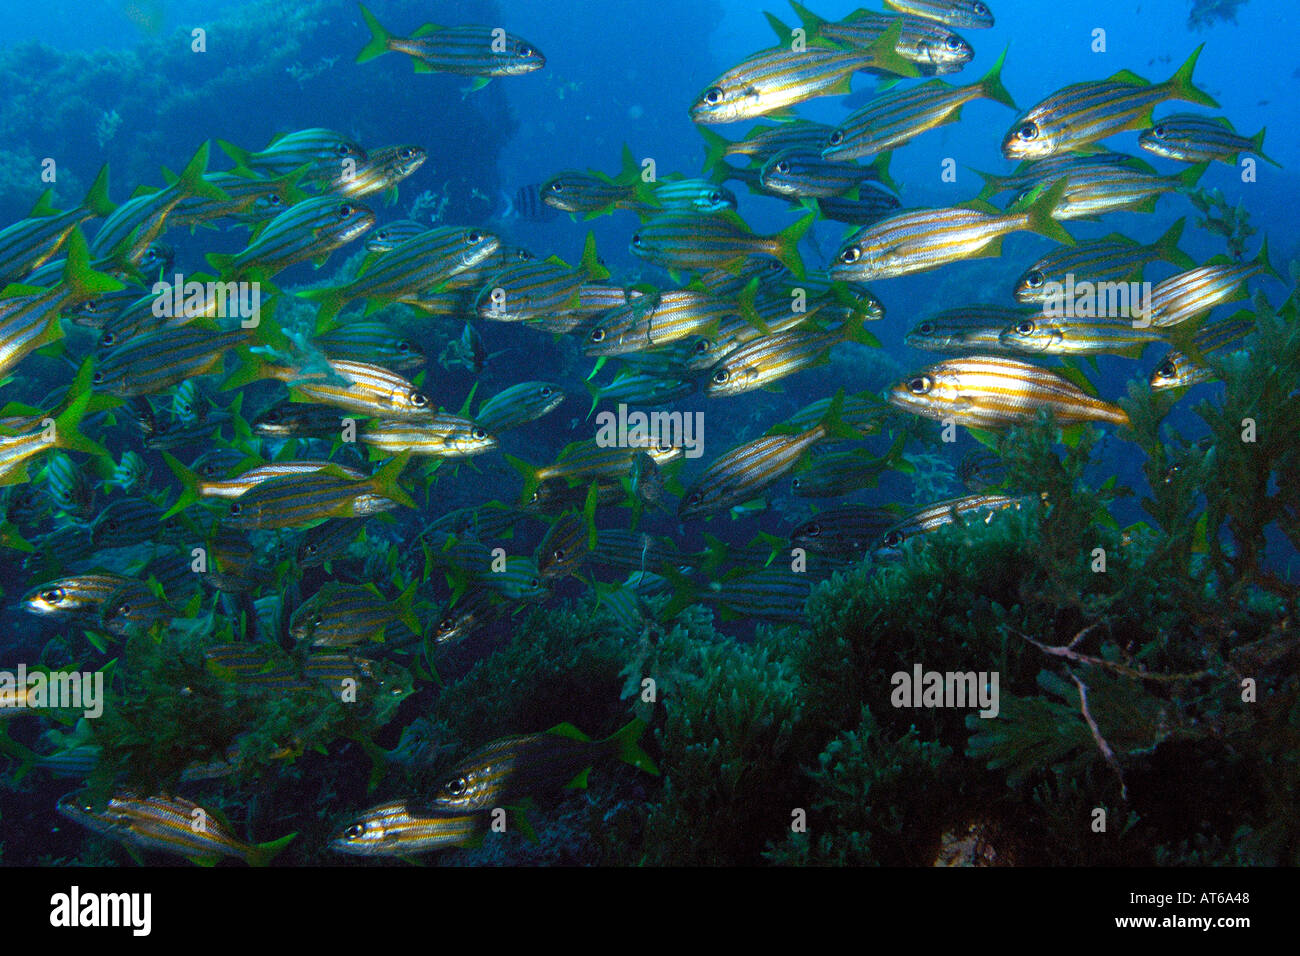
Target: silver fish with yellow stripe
[(1083, 113), (168, 824), (919, 240), (993, 392), (940, 515)]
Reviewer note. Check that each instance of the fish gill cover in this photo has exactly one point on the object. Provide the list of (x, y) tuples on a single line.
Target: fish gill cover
[(827, 438)]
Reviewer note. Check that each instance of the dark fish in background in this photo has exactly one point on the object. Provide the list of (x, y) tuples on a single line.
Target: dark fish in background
[(870, 206), (526, 204), (468, 50), (167, 824), (1193, 139), (980, 470), (514, 768), (384, 238), (319, 150), (844, 532)]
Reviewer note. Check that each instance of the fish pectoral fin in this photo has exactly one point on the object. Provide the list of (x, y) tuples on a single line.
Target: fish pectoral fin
[(519, 816), (579, 782)]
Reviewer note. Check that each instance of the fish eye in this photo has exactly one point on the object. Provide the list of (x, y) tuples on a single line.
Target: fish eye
[(1025, 327), (598, 335), (52, 595), (123, 609), (920, 385), (557, 554), (926, 328), (345, 211), (1034, 279), (458, 786), (893, 539), (310, 548), (355, 831), (547, 391), (703, 346), (715, 197), (274, 200), (1028, 132), (473, 238), (234, 510), (108, 338), (694, 498), (406, 152), (980, 9), (783, 167), (636, 240), (535, 583), (418, 399), (953, 42), (836, 137), (1166, 369), (557, 187), (479, 434), (343, 149), (713, 95), (721, 376), (851, 255), (796, 484), (526, 50), (813, 530), (1159, 132)]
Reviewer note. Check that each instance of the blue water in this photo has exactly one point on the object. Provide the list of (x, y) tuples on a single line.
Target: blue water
[(622, 73)]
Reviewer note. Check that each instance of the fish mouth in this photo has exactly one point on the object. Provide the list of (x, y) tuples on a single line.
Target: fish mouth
[(339, 843)]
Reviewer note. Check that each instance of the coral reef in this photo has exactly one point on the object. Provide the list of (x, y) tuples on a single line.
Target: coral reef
[(254, 55)]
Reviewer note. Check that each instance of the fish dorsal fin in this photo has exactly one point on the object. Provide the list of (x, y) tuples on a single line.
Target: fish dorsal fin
[(570, 731), (1129, 78)]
